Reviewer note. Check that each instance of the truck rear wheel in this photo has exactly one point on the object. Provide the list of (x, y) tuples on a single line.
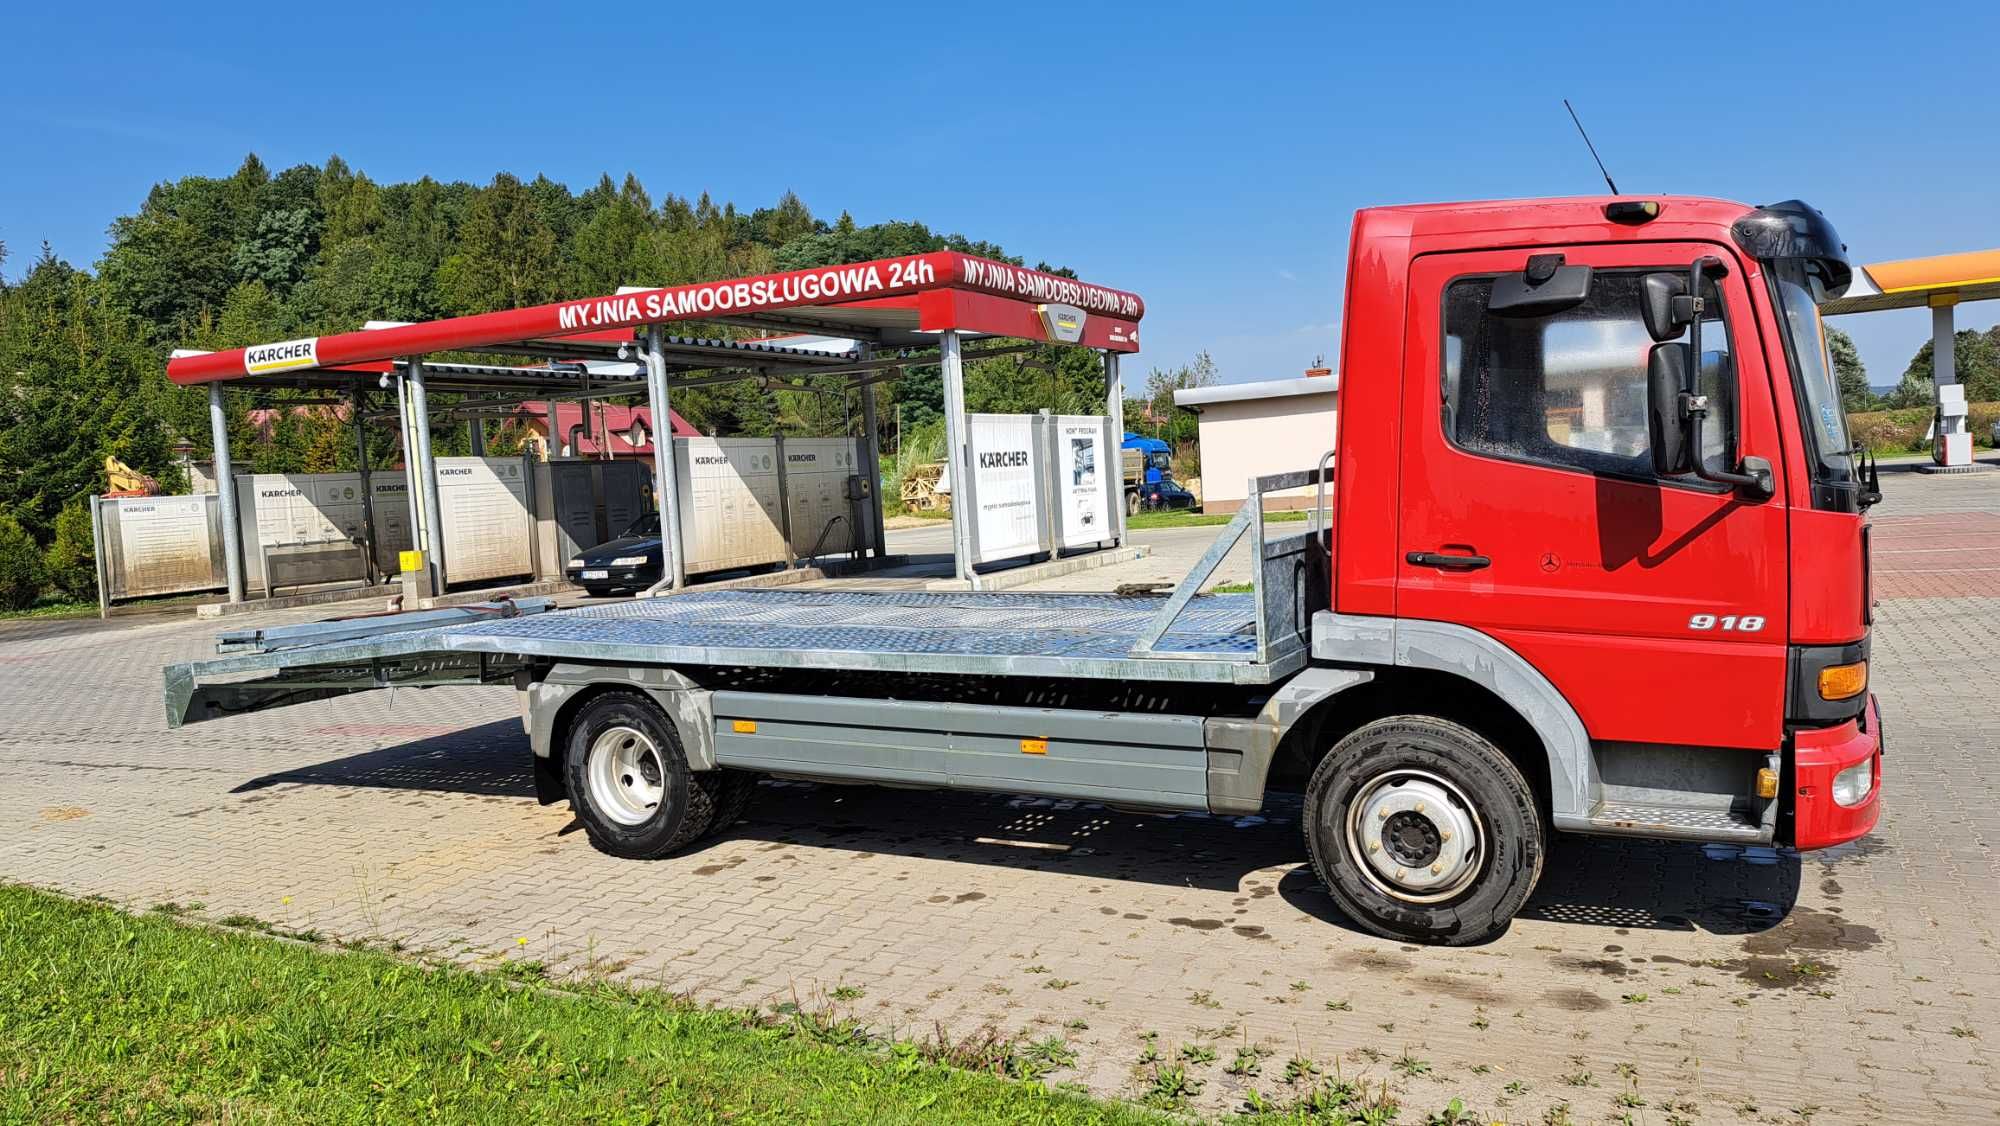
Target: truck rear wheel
[(1422, 830), (629, 781), (1131, 504)]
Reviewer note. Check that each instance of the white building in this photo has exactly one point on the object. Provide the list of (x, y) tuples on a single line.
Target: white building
[(1253, 429)]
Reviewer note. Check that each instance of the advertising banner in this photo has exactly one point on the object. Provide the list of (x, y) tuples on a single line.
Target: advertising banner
[(1082, 461), (1006, 513)]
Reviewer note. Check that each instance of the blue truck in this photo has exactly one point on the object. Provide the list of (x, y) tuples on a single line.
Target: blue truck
[(1149, 476)]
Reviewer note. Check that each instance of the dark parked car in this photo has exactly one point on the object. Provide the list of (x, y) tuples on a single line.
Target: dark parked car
[(1164, 494), (633, 561)]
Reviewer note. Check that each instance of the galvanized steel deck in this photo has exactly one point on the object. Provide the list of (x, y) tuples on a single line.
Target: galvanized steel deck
[(1214, 639)]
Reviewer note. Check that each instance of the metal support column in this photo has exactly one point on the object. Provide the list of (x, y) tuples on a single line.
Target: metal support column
[(476, 430), (666, 487), (956, 449), (225, 491), (1944, 345), (369, 536), (871, 464), (1952, 445), (413, 494), (1114, 407), (427, 478)]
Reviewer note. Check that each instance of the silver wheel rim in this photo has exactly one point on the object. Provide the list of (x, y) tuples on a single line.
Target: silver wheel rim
[(1415, 836), (628, 780)]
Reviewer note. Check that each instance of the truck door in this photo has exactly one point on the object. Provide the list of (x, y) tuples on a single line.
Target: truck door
[(1531, 511)]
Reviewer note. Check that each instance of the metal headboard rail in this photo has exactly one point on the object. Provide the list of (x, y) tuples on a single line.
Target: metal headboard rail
[(1249, 518)]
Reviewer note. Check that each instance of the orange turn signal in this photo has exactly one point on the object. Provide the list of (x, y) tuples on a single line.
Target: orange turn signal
[(1843, 682), (1767, 783)]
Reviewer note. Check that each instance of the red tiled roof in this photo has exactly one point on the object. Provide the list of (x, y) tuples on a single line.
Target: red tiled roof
[(607, 421)]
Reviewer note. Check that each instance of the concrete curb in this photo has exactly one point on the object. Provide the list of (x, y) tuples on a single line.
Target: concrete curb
[(1036, 572)]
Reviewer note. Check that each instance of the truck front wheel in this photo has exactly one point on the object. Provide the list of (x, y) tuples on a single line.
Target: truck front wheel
[(629, 782), (1422, 830)]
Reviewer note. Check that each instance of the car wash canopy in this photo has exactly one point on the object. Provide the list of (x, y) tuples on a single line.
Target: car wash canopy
[(894, 300), (863, 321)]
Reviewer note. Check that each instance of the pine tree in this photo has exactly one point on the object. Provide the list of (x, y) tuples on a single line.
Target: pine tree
[(506, 252)]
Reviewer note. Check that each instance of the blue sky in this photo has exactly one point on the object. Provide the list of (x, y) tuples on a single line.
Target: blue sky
[(1209, 157)]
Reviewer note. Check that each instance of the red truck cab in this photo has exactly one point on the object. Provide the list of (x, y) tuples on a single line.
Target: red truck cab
[(1631, 509)]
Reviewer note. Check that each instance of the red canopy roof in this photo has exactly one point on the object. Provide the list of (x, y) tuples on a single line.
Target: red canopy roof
[(919, 293)]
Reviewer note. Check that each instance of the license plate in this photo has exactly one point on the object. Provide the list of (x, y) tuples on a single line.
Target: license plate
[(596, 574)]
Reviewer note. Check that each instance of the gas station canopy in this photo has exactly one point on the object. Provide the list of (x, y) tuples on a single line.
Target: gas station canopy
[(1916, 283), (1939, 284)]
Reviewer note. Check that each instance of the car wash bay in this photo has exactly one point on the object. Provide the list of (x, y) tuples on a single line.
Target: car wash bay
[(929, 308)]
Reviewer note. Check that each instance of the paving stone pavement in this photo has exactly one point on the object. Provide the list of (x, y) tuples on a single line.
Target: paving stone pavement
[(1713, 984)]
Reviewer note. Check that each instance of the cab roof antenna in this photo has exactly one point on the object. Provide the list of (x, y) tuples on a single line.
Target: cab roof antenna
[(1593, 148)]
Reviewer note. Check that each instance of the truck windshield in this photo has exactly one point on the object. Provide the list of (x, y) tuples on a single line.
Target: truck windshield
[(1159, 459), (1799, 290)]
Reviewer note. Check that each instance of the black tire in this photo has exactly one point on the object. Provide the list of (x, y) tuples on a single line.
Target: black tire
[(737, 789), (687, 799), (1383, 767), (1131, 504)]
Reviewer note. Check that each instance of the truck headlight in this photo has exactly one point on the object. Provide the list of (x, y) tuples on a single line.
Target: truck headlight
[(629, 561), (1852, 786)]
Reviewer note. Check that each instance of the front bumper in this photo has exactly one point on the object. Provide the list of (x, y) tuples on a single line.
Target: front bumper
[(613, 576), (1818, 821)]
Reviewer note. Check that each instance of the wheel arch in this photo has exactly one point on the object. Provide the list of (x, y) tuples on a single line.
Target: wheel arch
[(1457, 673), (1412, 691), (554, 701)]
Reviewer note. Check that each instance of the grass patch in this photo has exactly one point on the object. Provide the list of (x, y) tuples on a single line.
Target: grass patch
[(53, 607), (1186, 519), (109, 1015)]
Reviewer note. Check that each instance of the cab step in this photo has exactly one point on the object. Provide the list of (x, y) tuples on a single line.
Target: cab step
[(1678, 822)]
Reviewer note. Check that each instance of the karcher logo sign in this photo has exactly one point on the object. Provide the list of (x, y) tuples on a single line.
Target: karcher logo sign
[(286, 355), (1062, 322), (1003, 459)]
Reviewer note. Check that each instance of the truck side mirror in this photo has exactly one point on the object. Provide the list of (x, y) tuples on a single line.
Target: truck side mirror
[(1666, 316), (1545, 288), (1666, 425)]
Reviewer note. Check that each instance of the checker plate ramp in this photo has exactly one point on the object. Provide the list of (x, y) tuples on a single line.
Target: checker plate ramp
[(1002, 625), (1213, 640)]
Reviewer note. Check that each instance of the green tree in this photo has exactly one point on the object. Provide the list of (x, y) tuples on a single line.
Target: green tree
[(278, 253), (1161, 383), (21, 577), (71, 561), (1855, 394), (604, 253), (1975, 361), (78, 383), (506, 253), (172, 260)]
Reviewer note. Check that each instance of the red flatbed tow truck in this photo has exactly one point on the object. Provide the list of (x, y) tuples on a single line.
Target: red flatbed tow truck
[(1595, 561)]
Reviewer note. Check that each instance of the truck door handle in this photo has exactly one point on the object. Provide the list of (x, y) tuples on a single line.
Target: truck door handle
[(1445, 562)]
